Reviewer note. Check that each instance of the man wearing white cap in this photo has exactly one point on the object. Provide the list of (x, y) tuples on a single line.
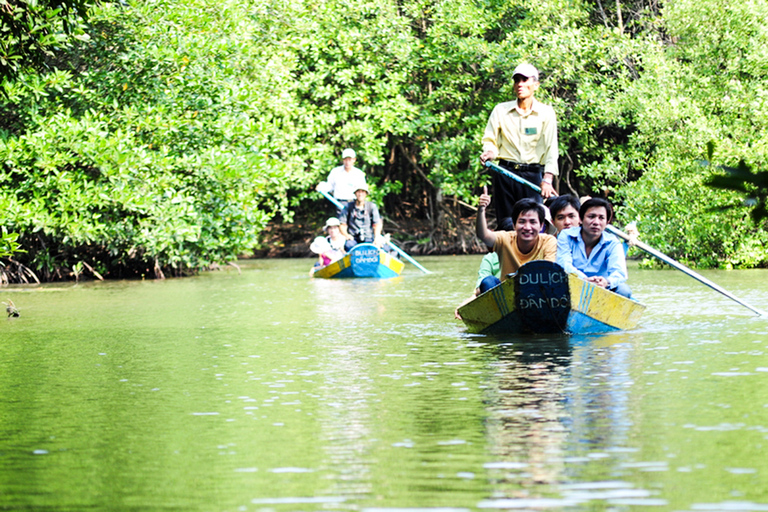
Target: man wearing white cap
[(522, 134), (343, 180)]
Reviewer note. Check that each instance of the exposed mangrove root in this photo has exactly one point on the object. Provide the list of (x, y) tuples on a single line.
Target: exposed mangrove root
[(14, 272)]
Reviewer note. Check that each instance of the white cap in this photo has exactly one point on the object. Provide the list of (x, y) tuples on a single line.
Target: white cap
[(348, 153), (333, 221), (362, 186), (526, 70)]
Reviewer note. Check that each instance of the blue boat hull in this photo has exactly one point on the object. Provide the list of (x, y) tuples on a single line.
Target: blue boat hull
[(364, 260)]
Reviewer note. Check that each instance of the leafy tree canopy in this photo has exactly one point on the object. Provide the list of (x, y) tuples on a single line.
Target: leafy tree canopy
[(167, 134)]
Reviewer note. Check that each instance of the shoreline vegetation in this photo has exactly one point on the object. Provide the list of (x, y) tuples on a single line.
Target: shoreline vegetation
[(163, 138)]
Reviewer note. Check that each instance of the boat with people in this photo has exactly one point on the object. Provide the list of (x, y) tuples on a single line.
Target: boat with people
[(541, 298), (363, 260)]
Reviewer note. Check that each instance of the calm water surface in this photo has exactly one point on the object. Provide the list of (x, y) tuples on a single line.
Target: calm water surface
[(267, 391)]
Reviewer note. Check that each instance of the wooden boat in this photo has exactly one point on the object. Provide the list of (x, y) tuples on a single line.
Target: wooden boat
[(542, 298), (364, 260)]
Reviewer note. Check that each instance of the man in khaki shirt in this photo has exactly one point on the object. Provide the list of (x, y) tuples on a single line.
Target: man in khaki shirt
[(522, 134), (515, 248)]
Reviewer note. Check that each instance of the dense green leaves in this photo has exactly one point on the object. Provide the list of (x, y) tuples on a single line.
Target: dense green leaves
[(33, 31), (169, 133), (157, 155)]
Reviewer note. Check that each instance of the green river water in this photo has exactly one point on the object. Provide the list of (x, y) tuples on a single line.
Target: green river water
[(268, 391)]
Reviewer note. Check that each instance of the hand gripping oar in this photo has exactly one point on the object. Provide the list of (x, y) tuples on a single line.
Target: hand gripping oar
[(391, 243), (650, 250)]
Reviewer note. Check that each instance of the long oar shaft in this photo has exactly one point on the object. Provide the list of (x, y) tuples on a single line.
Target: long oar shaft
[(650, 250), (682, 268), (512, 175), (391, 243)]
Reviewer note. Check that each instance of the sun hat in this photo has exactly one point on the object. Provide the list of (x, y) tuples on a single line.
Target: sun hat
[(319, 245), (333, 221), (526, 70), (362, 186), (348, 153)]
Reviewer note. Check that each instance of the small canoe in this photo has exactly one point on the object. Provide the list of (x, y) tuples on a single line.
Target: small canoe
[(364, 260), (542, 298)]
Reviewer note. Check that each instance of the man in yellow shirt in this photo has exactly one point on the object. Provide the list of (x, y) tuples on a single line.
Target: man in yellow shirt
[(515, 248), (522, 134)]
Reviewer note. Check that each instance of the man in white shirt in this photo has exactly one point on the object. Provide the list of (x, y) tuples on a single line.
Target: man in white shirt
[(343, 180)]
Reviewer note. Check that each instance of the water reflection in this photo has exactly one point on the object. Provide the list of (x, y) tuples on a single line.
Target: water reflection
[(554, 405), (269, 391), (526, 425)]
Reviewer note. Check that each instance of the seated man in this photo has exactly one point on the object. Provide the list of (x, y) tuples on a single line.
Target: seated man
[(592, 254), (515, 248), (565, 214), (361, 222), (565, 211)]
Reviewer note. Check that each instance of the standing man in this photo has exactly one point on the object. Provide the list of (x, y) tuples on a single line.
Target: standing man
[(343, 180), (515, 248), (522, 134), (361, 222), (592, 254)]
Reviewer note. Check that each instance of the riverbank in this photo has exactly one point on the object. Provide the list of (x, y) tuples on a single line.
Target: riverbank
[(416, 237)]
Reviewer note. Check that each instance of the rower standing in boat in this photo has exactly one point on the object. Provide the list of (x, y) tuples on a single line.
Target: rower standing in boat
[(591, 253), (361, 222), (522, 134), (343, 180)]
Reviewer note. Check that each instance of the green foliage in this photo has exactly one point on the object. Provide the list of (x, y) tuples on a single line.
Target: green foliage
[(754, 185), (708, 84), (679, 216), (171, 132), (9, 244), (158, 157), (32, 30)]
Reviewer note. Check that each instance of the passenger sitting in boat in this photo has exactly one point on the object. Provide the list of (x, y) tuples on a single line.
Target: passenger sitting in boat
[(335, 238), (361, 222), (489, 265), (329, 248), (594, 255), (515, 248), (564, 211), (565, 214)]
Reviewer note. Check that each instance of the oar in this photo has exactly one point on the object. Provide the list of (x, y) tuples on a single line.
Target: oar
[(682, 268), (650, 250), (391, 243), (512, 175)]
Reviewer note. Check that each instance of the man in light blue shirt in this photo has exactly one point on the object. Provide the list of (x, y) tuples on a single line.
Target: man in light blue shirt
[(591, 253)]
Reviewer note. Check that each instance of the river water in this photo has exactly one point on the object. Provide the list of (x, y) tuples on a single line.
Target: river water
[(265, 390)]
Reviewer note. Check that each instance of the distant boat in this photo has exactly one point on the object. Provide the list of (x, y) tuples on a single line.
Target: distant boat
[(364, 260), (542, 298)]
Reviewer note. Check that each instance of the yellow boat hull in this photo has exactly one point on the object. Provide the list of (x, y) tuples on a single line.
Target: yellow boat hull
[(542, 298)]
